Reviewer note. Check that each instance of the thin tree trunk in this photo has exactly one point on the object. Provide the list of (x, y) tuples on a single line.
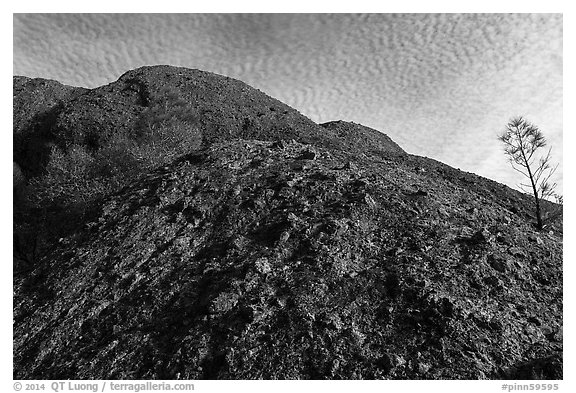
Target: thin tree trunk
[(539, 224)]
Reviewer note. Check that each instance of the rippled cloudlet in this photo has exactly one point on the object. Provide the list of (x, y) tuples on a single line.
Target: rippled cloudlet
[(440, 85)]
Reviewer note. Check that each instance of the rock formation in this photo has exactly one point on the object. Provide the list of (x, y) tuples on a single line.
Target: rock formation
[(278, 249)]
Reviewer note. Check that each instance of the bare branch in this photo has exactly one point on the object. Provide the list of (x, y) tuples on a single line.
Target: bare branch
[(517, 169)]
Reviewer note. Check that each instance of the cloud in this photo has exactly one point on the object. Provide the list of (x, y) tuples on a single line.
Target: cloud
[(441, 85)]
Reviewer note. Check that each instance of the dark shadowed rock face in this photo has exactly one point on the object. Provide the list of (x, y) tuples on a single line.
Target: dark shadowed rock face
[(261, 256), (36, 97), (36, 106)]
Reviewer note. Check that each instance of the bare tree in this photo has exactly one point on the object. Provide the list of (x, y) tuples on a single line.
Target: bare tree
[(523, 142)]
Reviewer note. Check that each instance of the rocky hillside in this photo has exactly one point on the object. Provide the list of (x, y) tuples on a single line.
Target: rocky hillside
[(47, 113), (285, 249)]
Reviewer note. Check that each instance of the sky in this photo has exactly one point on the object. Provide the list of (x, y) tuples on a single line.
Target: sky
[(440, 85)]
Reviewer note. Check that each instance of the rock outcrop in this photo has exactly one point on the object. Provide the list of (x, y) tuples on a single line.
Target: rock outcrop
[(49, 113), (362, 138), (284, 249)]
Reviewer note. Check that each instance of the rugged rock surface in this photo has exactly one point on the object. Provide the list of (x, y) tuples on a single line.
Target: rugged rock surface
[(225, 108), (364, 139), (271, 256), (36, 105)]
